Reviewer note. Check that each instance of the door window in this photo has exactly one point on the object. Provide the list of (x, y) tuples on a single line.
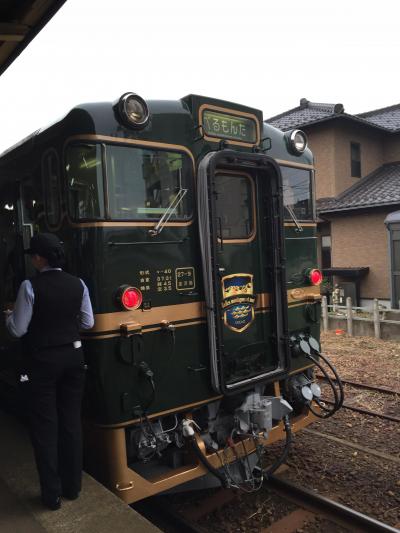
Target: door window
[(235, 206)]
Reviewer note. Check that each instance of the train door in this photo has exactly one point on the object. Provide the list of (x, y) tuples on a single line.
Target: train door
[(16, 228), (240, 217), (11, 266)]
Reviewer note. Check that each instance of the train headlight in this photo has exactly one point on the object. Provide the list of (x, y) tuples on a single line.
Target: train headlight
[(314, 276), (297, 141), (129, 298), (133, 110)]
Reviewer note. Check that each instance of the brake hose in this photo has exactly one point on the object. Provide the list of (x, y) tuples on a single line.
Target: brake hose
[(338, 398), (268, 472), (205, 462), (339, 382)]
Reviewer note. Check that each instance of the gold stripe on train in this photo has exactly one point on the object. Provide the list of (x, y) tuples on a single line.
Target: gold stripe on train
[(189, 313), (147, 330), (171, 313), (294, 164), (303, 224), (300, 294), (185, 407)]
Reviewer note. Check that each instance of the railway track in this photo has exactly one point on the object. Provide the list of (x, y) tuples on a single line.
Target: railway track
[(354, 445), (364, 386), (367, 411), (309, 507), (355, 384), (322, 506)]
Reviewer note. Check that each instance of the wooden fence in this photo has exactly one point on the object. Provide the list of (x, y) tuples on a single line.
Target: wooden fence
[(377, 316)]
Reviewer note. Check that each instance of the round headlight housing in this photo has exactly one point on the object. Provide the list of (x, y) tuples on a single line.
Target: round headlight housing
[(314, 276), (297, 141), (128, 298), (133, 110)]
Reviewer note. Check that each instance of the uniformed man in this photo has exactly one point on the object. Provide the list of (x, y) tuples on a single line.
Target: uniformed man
[(48, 313)]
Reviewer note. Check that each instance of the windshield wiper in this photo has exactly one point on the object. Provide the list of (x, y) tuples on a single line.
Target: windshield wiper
[(168, 212), (294, 218)]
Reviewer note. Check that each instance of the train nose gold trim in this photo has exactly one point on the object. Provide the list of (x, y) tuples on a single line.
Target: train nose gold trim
[(124, 486), (129, 322)]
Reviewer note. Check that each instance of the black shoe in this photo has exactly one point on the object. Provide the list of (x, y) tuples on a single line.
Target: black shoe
[(70, 495), (52, 503)]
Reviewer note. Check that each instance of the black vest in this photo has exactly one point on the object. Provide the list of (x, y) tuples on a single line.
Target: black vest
[(56, 307)]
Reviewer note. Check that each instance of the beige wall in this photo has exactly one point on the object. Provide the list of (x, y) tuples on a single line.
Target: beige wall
[(392, 149), (361, 240), (322, 143), (371, 153), (330, 143)]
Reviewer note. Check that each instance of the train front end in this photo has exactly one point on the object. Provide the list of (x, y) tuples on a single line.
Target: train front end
[(202, 267), (192, 223)]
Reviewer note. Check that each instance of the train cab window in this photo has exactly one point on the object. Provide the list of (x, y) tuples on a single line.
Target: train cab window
[(145, 184), (297, 193), (51, 186), (234, 206), (84, 173)]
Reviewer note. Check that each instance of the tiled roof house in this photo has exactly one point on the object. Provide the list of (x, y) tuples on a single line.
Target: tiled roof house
[(357, 176)]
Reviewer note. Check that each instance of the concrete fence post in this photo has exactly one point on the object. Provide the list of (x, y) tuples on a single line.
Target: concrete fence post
[(377, 325), (324, 312), (349, 315)]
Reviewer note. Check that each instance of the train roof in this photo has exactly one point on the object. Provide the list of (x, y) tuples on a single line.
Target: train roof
[(168, 118)]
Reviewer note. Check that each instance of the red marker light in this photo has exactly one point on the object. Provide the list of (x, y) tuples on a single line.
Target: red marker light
[(130, 298), (315, 276)]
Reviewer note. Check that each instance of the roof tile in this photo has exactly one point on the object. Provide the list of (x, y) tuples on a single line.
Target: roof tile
[(381, 187), (387, 117), (307, 113)]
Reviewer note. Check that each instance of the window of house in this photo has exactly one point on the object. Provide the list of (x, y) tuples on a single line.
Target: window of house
[(326, 261), (355, 152)]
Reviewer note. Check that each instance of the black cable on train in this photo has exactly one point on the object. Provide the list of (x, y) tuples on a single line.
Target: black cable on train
[(307, 346)]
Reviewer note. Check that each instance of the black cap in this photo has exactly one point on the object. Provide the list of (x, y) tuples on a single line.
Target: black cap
[(46, 245)]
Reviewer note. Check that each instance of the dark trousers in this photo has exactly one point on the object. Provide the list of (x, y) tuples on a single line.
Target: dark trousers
[(54, 395)]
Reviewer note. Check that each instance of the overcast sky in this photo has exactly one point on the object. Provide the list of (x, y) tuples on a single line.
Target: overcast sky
[(265, 54)]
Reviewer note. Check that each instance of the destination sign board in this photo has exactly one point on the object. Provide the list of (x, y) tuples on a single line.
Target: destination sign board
[(226, 126)]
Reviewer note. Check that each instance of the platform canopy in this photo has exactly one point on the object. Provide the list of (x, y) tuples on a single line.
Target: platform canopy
[(20, 22)]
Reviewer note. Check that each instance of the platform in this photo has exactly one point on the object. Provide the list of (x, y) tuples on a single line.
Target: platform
[(21, 510)]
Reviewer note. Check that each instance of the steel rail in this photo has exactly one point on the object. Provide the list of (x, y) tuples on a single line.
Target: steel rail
[(355, 446), (392, 418), (385, 390), (334, 511)]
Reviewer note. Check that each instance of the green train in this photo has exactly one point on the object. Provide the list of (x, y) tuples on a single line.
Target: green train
[(192, 222)]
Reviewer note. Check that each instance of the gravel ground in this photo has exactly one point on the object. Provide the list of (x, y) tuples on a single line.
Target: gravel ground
[(354, 477), (364, 359)]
